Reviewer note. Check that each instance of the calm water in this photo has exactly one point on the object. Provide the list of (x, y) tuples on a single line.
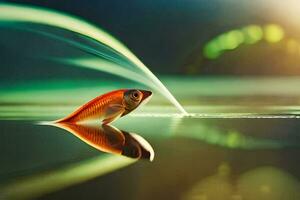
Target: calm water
[(195, 158), (240, 142)]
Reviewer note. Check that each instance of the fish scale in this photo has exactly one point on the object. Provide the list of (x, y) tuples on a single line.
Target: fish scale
[(96, 108), (107, 107)]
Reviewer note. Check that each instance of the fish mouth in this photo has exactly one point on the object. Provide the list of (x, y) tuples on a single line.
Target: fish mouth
[(146, 94)]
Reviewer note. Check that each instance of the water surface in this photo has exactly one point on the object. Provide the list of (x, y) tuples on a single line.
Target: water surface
[(226, 149)]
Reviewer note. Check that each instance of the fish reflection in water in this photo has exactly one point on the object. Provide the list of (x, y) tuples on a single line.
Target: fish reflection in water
[(109, 139)]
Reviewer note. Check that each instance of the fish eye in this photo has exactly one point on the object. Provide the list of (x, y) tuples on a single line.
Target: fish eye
[(135, 95)]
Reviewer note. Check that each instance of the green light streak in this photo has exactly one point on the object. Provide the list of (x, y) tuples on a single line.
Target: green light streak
[(117, 59), (246, 35), (229, 139), (230, 40), (234, 39), (253, 34), (14, 13), (103, 65), (211, 50), (233, 139), (222, 41), (10, 12), (41, 184)]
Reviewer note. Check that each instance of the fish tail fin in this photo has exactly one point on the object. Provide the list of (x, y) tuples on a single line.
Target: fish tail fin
[(65, 119), (44, 122), (50, 123)]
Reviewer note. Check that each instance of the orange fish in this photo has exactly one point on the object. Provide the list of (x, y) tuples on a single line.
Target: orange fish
[(109, 139), (108, 107)]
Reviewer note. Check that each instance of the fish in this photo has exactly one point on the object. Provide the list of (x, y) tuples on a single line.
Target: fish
[(110, 139), (108, 107)]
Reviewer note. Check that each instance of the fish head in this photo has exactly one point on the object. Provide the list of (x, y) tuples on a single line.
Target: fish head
[(137, 147), (133, 98)]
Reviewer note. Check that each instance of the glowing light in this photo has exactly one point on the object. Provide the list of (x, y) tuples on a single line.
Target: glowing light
[(231, 40), (221, 41), (38, 185), (233, 139), (246, 35), (253, 34), (14, 13), (103, 65), (273, 33), (226, 41), (268, 183), (228, 139), (234, 38), (211, 50)]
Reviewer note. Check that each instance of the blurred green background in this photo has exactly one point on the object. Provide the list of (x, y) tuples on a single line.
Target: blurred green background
[(234, 65)]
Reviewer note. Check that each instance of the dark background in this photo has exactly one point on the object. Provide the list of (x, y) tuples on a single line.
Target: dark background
[(168, 36)]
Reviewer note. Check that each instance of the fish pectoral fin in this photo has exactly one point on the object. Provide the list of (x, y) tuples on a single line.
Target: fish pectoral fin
[(111, 119), (114, 109), (112, 113)]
